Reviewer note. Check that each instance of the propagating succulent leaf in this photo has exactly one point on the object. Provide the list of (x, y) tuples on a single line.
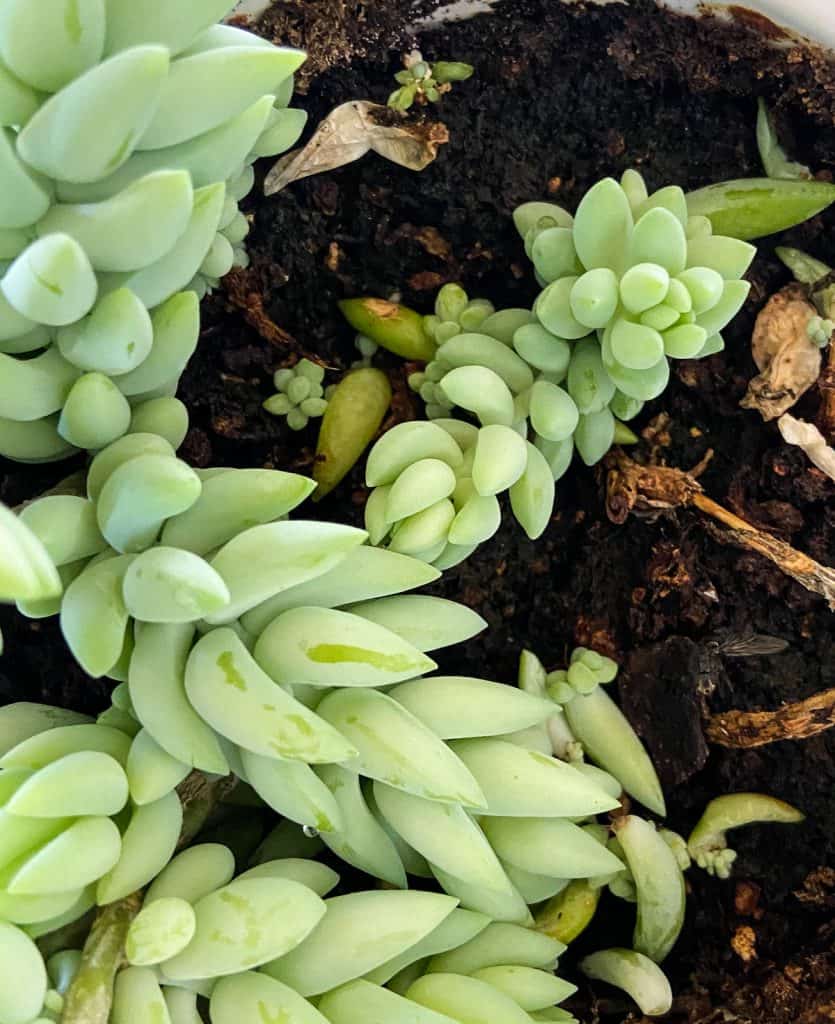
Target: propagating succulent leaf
[(382, 925), (636, 974), (659, 883), (397, 748)]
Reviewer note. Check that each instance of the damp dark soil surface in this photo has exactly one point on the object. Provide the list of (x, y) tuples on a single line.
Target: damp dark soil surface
[(562, 97)]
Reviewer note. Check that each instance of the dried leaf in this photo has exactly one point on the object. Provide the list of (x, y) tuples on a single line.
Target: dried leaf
[(811, 440), (348, 133), (788, 361)]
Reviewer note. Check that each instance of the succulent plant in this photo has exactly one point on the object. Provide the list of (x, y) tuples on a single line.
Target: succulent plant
[(27, 573), (300, 394), (422, 82), (126, 147)]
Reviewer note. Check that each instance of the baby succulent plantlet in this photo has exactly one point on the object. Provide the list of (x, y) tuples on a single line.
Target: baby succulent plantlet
[(708, 845), (300, 396), (421, 82), (116, 226)]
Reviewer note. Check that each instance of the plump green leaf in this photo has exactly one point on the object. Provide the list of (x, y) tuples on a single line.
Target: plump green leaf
[(83, 783), (193, 874), (549, 846), (23, 980), (259, 997), (162, 929), (293, 790), (466, 999), (752, 207)]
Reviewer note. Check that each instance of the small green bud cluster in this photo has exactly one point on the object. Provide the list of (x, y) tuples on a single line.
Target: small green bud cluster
[(820, 331), (300, 396), (127, 143), (436, 484), (423, 82), (587, 670)]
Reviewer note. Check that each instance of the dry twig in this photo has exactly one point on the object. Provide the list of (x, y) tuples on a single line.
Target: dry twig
[(796, 721), (650, 490)]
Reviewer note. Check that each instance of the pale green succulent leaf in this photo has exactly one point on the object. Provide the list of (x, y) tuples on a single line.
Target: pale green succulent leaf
[(505, 904), (405, 444), (549, 846), (74, 137), (266, 560), (427, 623), (395, 747), (25, 195), (21, 721), (162, 929), (528, 215), (233, 695), (361, 841), (382, 925), (420, 485), (166, 584), (603, 226), (156, 681), (532, 495), (310, 873), (257, 996), (659, 884), (720, 315), (93, 615), (729, 257), (636, 974), (534, 888), (22, 999), (18, 101), (361, 1002), (26, 570), (114, 339), (95, 413), (138, 998), (152, 772), (106, 462), (35, 910), (528, 987), (458, 707), (193, 874), (471, 349), (325, 647), (466, 999), (497, 944), (84, 783), (74, 858), (753, 207), (610, 741), (293, 790), (51, 281), (553, 254), (34, 388)]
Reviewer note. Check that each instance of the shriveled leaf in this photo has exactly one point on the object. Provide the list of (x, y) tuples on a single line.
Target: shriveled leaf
[(788, 360), (809, 438), (348, 133)]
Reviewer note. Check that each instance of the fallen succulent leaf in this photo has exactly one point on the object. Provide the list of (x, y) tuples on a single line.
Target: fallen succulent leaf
[(788, 361), (348, 133), (811, 440)]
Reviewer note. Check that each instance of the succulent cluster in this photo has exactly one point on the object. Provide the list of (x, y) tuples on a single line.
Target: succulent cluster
[(422, 82), (88, 815), (127, 144), (300, 395), (436, 484)]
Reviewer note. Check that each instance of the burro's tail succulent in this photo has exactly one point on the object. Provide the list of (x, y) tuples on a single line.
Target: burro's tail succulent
[(126, 143)]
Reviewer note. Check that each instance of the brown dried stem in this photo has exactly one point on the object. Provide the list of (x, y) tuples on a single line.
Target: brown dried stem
[(650, 490), (796, 721)]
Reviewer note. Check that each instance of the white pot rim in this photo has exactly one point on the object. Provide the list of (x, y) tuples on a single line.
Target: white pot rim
[(812, 20)]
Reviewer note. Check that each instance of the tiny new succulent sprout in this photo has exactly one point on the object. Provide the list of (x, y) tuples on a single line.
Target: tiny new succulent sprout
[(422, 82), (300, 395), (708, 845), (121, 178), (820, 331), (366, 349)]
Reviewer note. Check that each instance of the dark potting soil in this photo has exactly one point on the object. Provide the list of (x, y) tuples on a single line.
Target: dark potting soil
[(560, 100)]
